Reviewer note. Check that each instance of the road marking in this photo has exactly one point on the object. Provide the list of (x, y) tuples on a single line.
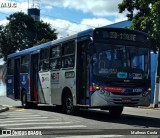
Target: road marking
[(8, 106), (21, 115), (93, 136), (15, 113), (23, 124), (21, 118), (1, 122), (48, 127), (20, 110), (84, 136)]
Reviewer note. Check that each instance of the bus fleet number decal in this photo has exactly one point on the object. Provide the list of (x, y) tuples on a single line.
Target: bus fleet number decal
[(55, 77)]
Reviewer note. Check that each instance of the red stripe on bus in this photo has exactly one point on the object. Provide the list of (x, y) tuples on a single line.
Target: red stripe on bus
[(112, 89), (35, 94), (91, 88)]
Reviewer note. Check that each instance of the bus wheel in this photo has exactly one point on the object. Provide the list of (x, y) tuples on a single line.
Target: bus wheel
[(68, 104), (116, 111)]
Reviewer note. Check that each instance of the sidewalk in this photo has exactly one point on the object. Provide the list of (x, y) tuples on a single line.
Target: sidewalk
[(3, 108), (150, 107)]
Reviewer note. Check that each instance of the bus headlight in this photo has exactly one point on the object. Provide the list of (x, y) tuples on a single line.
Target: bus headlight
[(96, 87), (149, 89)]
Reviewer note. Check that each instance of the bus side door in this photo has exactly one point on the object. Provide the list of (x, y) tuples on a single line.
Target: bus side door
[(17, 78), (82, 73), (34, 77)]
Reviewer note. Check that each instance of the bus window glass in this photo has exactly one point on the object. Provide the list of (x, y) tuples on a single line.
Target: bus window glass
[(55, 59), (68, 48), (44, 59), (44, 54), (137, 57), (119, 62), (68, 54), (10, 66), (55, 63), (25, 64), (68, 61), (55, 52)]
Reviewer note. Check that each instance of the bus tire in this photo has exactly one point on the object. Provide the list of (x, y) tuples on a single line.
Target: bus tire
[(67, 105), (116, 111)]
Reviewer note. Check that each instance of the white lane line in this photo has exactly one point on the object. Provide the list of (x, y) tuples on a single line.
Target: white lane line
[(93, 136), (15, 121), (18, 114), (23, 124), (8, 105), (84, 136), (21, 115), (48, 127), (21, 118)]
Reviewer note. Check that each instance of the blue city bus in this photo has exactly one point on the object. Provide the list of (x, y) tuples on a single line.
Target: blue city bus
[(106, 68)]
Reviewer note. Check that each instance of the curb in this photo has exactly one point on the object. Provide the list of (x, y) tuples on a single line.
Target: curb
[(3, 109), (149, 107)]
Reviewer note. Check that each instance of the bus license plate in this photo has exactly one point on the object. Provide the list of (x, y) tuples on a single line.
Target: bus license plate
[(126, 100)]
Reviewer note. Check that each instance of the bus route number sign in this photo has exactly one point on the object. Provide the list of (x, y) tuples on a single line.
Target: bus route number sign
[(122, 36)]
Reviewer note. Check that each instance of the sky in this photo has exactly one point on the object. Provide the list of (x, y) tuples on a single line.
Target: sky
[(68, 16)]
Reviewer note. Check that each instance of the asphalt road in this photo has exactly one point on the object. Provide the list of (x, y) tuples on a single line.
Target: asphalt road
[(134, 122)]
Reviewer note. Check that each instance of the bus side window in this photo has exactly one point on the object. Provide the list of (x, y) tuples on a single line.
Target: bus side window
[(55, 57), (44, 60), (10, 67), (25, 64), (68, 54)]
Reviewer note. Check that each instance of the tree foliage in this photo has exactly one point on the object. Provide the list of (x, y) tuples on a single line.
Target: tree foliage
[(22, 32), (145, 16)]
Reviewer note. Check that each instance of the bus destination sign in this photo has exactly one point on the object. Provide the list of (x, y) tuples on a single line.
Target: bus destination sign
[(122, 36), (103, 34)]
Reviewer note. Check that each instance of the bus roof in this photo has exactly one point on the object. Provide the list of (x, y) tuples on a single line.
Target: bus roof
[(79, 36), (47, 44)]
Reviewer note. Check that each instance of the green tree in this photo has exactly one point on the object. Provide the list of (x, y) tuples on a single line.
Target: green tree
[(44, 31), (22, 32), (145, 16)]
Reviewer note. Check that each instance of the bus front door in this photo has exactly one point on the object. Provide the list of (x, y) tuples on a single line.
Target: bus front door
[(82, 74), (17, 78), (34, 77)]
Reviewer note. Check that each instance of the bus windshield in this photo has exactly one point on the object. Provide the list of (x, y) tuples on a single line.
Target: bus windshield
[(120, 61)]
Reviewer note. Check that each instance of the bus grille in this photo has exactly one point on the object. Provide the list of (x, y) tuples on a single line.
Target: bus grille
[(119, 101)]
